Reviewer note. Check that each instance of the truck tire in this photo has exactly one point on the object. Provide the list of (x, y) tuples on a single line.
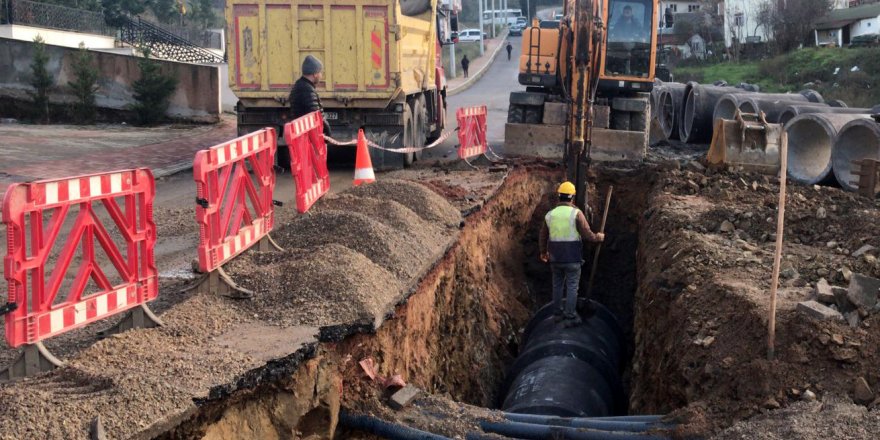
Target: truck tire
[(515, 114), (420, 124), (408, 158), (440, 125), (533, 114)]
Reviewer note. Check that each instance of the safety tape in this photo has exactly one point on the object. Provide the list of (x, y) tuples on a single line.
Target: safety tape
[(372, 144)]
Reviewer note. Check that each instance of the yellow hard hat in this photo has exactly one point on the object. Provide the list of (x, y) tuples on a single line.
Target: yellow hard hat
[(566, 188)]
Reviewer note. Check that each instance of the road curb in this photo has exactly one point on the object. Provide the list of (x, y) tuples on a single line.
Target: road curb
[(476, 76)]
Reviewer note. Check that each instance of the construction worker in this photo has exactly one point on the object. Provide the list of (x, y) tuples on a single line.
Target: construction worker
[(303, 96), (561, 244)]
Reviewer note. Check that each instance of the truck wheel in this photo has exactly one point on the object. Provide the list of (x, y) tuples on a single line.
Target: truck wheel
[(420, 125), (408, 158), (440, 125), (515, 114)]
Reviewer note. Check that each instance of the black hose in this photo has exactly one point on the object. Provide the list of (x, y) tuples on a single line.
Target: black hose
[(536, 418), (599, 424), (545, 432), (384, 429)]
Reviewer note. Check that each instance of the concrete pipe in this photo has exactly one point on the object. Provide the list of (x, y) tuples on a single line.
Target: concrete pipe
[(811, 137), (698, 106), (727, 107), (771, 106), (669, 103), (568, 371), (797, 109), (858, 139)]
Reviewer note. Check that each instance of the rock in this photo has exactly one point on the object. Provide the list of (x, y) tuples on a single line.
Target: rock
[(96, 429), (789, 273), (695, 166), (404, 397), (818, 311), (862, 291), (852, 318), (727, 226), (870, 259), (860, 251), (824, 294), (771, 403), (823, 272), (670, 165), (862, 393), (846, 273), (831, 244), (824, 339), (809, 396), (821, 213), (837, 338)]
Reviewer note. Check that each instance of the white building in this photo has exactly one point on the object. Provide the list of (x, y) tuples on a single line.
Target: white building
[(841, 25), (676, 7), (741, 22)]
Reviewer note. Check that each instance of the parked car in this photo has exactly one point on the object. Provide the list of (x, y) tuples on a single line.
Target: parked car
[(867, 40), (470, 35), (517, 29), (523, 21)]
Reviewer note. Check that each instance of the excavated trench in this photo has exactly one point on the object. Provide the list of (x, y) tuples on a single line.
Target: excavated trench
[(459, 329)]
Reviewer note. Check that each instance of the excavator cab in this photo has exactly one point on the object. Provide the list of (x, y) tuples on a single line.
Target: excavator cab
[(629, 52)]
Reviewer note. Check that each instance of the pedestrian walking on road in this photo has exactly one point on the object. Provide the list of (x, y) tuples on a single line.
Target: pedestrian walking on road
[(465, 62), (304, 97), (561, 244), (509, 50)]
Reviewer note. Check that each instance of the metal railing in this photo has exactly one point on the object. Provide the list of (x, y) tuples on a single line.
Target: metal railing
[(54, 17), (200, 37), (163, 44)]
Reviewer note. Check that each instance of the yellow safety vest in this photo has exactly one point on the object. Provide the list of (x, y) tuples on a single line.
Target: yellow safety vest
[(565, 244)]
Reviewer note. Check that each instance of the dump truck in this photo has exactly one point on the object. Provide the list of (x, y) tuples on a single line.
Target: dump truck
[(382, 68)]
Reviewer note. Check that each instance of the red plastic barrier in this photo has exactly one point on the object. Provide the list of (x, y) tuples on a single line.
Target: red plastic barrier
[(36, 213), (471, 131), (308, 159), (235, 208)]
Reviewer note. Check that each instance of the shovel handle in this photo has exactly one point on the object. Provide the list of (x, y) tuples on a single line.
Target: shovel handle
[(599, 245)]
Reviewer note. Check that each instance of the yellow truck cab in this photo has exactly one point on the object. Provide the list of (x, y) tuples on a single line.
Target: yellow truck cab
[(382, 69)]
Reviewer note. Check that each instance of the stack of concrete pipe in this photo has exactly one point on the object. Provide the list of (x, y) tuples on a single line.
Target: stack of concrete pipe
[(667, 110)]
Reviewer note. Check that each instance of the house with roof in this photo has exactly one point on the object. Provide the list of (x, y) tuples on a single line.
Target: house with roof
[(839, 26), (741, 22)]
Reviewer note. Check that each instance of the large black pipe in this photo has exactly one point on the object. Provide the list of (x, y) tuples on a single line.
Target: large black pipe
[(668, 109), (697, 108), (568, 371)]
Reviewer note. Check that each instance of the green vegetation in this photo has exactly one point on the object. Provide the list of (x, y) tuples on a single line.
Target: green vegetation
[(152, 91), (41, 81), (471, 48), (806, 68), (84, 86)]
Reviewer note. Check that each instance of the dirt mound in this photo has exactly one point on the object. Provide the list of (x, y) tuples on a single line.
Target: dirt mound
[(393, 250), (387, 212), (327, 286), (421, 200)]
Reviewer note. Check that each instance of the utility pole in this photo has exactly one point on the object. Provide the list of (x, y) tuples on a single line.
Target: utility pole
[(481, 27), (452, 59), (494, 15)]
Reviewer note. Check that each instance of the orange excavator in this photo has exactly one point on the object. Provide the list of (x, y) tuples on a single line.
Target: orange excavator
[(588, 77)]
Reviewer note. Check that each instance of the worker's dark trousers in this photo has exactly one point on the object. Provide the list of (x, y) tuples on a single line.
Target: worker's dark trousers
[(566, 278)]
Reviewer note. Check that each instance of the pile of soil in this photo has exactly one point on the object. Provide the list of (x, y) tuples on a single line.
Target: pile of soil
[(705, 263), (329, 285), (831, 418), (425, 203)]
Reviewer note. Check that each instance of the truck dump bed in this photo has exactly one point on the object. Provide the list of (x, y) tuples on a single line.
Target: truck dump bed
[(370, 50)]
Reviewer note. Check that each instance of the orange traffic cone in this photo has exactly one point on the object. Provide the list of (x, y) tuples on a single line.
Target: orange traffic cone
[(363, 166)]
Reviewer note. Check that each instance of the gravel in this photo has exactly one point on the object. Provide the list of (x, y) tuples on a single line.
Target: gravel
[(425, 203)]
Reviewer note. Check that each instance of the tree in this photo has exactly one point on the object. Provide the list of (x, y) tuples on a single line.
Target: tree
[(165, 10), (790, 23), (117, 11), (84, 85), (203, 13), (152, 91), (40, 80)]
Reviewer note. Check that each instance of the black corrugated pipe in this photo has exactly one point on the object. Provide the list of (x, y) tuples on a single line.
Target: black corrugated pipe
[(568, 371), (626, 424), (384, 429), (546, 432)]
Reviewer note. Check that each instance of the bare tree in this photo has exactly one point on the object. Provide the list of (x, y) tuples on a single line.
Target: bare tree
[(789, 23)]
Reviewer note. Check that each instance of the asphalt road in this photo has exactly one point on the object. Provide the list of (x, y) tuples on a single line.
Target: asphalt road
[(492, 89)]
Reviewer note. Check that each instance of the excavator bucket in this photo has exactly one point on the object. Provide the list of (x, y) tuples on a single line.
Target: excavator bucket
[(748, 141)]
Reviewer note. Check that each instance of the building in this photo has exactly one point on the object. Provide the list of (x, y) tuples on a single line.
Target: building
[(675, 7), (741, 22), (841, 25)]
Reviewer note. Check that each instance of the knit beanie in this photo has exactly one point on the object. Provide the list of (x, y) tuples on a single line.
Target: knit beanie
[(311, 65)]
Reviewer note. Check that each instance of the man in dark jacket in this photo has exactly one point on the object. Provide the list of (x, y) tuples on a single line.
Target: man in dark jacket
[(303, 96), (465, 63), (509, 50)]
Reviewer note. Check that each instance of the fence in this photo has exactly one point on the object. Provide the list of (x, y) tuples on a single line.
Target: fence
[(54, 17), (58, 278), (308, 159), (472, 126)]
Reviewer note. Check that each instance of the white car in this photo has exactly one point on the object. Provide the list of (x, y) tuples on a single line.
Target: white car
[(470, 35)]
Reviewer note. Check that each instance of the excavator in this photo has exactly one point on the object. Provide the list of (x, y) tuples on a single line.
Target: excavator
[(588, 77)]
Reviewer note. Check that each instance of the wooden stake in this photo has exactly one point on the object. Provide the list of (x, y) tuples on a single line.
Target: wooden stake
[(599, 245), (777, 258)]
